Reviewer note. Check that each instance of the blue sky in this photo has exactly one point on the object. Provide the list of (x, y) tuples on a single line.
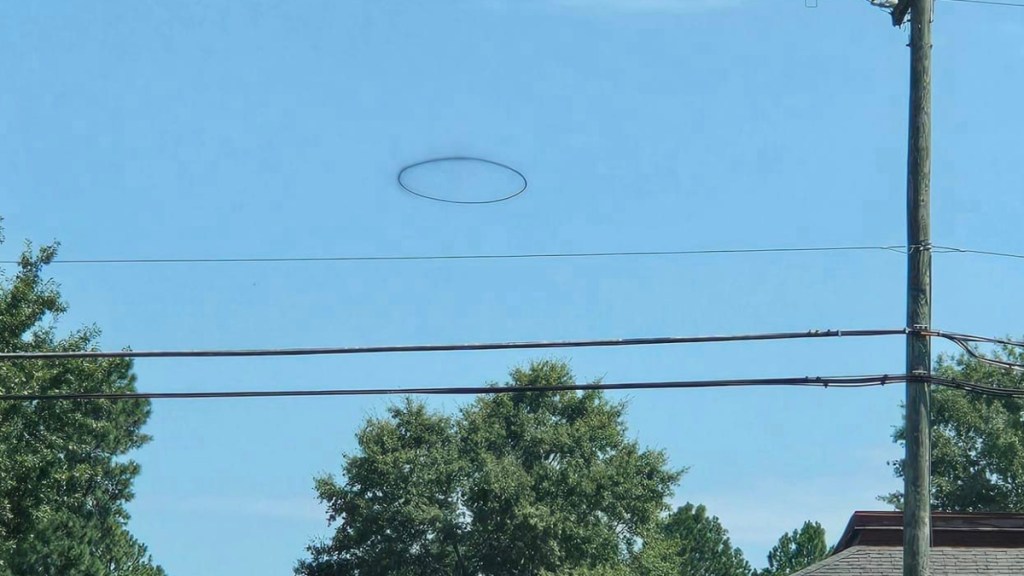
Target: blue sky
[(259, 128)]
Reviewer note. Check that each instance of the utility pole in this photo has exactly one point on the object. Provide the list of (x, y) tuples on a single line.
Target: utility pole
[(917, 463)]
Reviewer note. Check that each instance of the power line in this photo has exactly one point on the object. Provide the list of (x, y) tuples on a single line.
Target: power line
[(964, 341), (960, 339), (950, 249), (986, 359), (804, 381), (430, 257), (534, 345), (899, 249), (976, 339), (983, 389), (988, 2)]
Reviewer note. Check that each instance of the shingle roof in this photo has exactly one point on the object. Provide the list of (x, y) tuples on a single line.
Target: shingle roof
[(888, 561)]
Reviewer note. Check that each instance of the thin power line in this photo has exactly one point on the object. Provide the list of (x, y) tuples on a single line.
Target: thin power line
[(899, 249), (534, 345), (988, 2), (804, 381), (429, 257), (949, 249)]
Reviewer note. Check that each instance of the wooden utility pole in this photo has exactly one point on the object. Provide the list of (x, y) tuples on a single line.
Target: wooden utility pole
[(917, 465)]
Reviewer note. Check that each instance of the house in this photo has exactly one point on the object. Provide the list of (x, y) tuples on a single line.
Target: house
[(977, 544)]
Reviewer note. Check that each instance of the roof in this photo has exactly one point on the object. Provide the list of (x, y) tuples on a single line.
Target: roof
[(888, 561), (949, 529), (963, 544)]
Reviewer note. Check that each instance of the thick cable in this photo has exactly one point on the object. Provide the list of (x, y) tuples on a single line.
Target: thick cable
[(535, 345), (974, 387), (966, 347), (804, 381), (974, 338), (964, 341)]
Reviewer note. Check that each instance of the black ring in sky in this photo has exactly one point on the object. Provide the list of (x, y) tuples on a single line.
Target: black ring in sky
[(401, 182)]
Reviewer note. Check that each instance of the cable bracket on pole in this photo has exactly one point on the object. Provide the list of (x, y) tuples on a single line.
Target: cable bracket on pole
[(899, 13)]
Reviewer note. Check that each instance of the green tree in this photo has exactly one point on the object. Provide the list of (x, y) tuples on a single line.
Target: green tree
[(977, 441), (64, 477), (692, 543), (797, 550), (515, 484)]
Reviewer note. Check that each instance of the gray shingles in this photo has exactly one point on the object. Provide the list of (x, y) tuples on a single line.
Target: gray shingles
[(888, 561)]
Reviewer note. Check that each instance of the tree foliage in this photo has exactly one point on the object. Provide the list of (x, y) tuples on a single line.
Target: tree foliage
[(515, 484), (977, 441), (693, 543), (64, 478), (797, 550)]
